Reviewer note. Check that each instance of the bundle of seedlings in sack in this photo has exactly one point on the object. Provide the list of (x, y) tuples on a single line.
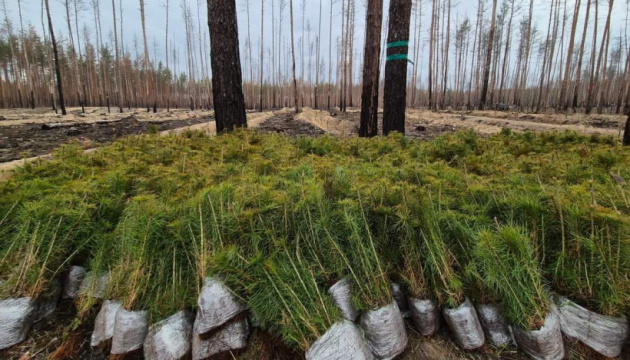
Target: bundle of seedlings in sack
[(591, 269), (424, 311), (604, 334), (284, 294), (438, 263), (381, 318), (148, 284), (511, 274)]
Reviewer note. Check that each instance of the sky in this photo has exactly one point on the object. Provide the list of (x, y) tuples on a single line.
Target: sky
[(156, 16)]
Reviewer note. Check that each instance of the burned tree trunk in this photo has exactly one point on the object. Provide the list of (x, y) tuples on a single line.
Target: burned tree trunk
[(227, 80), (626, 132), (371, 65), (56, 53), (486, 70), (395, 97)]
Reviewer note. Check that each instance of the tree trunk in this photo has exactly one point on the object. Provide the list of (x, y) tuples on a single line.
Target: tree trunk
[(295, 89), (227, 80), (371, 69), (395, 95), (56, 52), (626, 133), (486, 71), (262, 50)]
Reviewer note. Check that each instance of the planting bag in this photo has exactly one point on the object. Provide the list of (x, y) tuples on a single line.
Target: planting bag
[(343, 341), (104, 323), (545, 343), (604, 334), (496, 328), (341, 293), (16, 318), (385, 330), (170, 339), (72, 282), (401, 299), (217, 306), (465, 326), (47, 301), (232, 336), (94, 285), (130, 330), (425, 315)]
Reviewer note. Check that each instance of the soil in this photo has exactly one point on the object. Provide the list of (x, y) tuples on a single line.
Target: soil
[(19, 141), (286, 124)]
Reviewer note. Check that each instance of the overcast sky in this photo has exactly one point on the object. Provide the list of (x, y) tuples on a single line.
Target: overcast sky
[(156, 16)]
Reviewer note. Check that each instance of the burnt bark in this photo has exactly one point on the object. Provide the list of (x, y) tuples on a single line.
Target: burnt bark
[(371, 66), (486, 70), (395, 93), (227, 79), (56, 53), (626, 132)]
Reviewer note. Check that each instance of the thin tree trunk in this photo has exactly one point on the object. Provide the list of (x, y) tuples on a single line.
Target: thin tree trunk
[(371, 69), (56, 53), (295, 89), (486, 72)]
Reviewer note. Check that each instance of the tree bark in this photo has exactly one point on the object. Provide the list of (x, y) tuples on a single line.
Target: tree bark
[(486, 71), (227, 80), (56, 52), (371, 69), (395, 95), (295, 89)]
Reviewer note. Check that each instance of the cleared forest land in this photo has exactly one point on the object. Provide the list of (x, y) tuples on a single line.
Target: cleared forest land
[(30, 133)]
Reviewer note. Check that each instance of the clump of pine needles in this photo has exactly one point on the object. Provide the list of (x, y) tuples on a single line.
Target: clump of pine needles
[(280, 220)]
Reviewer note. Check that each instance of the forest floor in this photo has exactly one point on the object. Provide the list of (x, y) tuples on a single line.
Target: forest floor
[(33, 133)]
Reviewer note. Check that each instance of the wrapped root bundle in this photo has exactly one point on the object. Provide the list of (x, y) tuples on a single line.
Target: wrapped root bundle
[(401, 299), (604, 334), (232, 336), (130, 330), (510, 274), (47, 301), (343, 341), (217, 306), (104, 323), (426, 315), (544, 343), (341, 293), (72, 282), (494, 324), (16, 319), (170, 339), (465, 326), (385, 330)]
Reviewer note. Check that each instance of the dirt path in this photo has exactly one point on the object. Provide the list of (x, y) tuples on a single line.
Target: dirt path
[(18, 143), (422, 124)]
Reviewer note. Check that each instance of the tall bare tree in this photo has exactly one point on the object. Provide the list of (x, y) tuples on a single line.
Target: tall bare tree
[(486, 71), (295, 89), (51, 29), (371, 69)]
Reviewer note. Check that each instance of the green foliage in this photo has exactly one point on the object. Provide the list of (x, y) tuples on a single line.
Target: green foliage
[(509, 273), (280, 220)]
